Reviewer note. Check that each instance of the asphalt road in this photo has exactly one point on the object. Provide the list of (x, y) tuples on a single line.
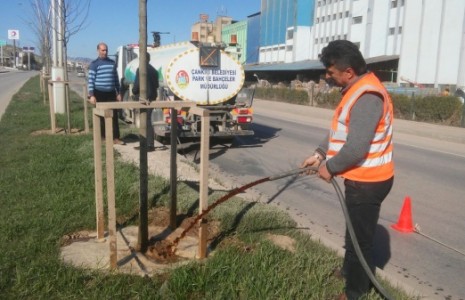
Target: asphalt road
[(10, 83), (430, 169)]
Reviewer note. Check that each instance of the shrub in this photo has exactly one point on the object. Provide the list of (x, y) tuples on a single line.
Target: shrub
[(446, 110), (294, 96), (436, 109), (403, 106)]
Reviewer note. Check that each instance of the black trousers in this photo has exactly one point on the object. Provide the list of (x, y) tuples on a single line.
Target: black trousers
[(363, 200), (108, 97)]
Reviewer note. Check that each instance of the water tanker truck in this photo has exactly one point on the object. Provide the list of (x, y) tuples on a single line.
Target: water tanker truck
[(202, 73)]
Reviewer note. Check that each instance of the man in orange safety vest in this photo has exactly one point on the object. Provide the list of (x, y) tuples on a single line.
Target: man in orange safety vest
[(359, 149)]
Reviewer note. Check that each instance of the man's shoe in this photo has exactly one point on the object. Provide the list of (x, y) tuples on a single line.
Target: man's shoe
[(118, 142)]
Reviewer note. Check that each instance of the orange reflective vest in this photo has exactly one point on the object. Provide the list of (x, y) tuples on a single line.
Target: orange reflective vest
[(377, 165)]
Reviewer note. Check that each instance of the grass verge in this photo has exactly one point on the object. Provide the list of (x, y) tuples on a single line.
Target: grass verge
[(47, 191)]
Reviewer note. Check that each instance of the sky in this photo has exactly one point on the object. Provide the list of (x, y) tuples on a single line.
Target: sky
[(116, 22)]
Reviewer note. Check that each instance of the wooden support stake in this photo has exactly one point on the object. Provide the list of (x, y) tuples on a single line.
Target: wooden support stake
[(203, 191), (173, 169), (111, 187), (86, 117), (51, 102), (100, 215), (143, 234), (68, 109)]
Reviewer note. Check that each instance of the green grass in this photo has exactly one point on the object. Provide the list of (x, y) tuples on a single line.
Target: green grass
[(47, 191)]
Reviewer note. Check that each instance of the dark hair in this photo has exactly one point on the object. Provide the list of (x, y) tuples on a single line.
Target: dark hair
[(343, 54)]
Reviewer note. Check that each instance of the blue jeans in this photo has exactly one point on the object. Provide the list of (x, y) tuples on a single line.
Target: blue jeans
[(363, 200), (108, 97)]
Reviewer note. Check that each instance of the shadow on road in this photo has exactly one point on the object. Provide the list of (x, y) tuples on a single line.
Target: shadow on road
[(219, 146)]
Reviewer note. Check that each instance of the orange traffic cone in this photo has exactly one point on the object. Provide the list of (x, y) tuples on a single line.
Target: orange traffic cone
[(405, 224)]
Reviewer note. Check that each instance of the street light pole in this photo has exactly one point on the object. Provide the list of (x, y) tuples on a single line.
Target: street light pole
[(14, 54), (1, 52), (58, 75)]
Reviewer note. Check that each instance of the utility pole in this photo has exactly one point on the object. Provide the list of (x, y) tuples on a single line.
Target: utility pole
[(57, 55), (1, 53), (14, 54)]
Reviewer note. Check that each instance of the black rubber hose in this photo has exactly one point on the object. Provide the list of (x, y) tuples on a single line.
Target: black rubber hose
[(349, 225)]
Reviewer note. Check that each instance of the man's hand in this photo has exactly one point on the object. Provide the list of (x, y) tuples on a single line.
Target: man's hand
[(92, 100), (323, 173), (311, 161)]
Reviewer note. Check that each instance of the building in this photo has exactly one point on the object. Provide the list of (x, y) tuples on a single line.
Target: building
[(285, 27), (234, 36), (432, 50), (409, 42), (253, 38), (206, 31)]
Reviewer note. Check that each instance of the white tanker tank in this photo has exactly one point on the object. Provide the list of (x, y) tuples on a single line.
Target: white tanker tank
[(203, 74)]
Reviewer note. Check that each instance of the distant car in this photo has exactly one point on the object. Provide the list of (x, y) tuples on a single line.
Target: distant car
[(81, 74)]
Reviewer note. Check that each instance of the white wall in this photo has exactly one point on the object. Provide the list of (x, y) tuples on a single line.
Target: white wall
[(450, 40), (301, 47), (431, 41)]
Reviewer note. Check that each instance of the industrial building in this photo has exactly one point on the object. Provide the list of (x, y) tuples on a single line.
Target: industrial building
[(414, 42)]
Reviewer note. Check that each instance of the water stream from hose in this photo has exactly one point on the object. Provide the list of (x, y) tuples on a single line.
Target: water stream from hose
[(172, 248)]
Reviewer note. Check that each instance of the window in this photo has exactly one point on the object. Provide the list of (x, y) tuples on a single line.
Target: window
[(290, 34), (357, 44), (357, 20), (399, 30), (393, 3), (347, 14), (334, 16), (392, 31)]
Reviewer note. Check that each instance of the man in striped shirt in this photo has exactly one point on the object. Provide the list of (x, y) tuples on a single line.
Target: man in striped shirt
[(103, 86)]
